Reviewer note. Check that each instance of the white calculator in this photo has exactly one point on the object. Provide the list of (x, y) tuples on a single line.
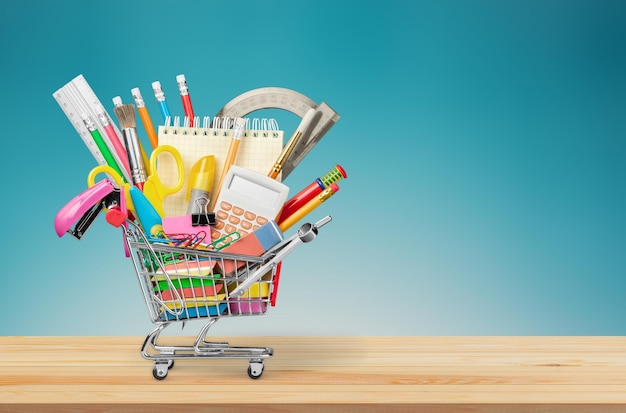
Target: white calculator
[(246, 201)]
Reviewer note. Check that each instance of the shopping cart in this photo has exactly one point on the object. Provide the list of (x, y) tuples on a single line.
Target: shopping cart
[(181, 284)]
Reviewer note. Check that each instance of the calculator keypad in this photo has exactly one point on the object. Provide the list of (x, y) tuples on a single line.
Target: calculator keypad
[(230, 218)]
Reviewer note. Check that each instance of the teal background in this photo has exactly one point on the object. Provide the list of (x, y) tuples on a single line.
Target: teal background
[(484, 143)]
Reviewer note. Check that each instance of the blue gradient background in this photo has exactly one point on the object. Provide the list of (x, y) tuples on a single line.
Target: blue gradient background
[(484, 143)]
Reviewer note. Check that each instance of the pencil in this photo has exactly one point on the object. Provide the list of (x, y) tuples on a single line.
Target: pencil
[(232, 154), (145, 117), (291, 144)]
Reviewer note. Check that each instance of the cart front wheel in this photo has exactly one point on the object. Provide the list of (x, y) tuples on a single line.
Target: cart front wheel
[(160, 371), (255, 370)]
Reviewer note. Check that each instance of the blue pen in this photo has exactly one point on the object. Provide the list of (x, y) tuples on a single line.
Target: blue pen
[(160, 98)]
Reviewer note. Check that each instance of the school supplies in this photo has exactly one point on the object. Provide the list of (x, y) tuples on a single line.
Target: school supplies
[(77, 98), (145, 117), (126, 117), (120, 151), (311, 191), (184, 95), (153, 188), (289, 221), (247, 201), (232, 152), (104, 150), (253, 244), (291, 144), (160, 98), (182, 275), (261, 143), (148, 217), (82, 210), (289, 100), (200, 185)]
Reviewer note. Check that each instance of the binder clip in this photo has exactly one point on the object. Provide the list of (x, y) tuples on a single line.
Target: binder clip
[(203, 217)]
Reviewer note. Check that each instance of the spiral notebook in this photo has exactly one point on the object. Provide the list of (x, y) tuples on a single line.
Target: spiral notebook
[(261, 144)]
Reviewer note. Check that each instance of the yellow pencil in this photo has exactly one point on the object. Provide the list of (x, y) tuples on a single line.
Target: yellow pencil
[(308, 207), (291, 144), (230, 157)]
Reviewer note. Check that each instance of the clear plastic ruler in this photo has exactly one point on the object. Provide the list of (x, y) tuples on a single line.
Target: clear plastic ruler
[(77, 99), (292, 101)]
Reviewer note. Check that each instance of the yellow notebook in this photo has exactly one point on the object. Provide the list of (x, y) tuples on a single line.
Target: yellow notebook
[(261, 144)]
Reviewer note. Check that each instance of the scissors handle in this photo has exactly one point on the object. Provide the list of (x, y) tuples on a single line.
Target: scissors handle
[(104, 169)]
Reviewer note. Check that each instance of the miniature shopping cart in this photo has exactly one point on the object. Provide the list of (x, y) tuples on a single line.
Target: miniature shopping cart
[(181, 284)]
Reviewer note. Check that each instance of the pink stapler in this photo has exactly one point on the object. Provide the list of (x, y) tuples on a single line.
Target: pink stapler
[(83, 209)]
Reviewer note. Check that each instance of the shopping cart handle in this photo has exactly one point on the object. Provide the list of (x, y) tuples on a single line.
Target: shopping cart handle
[(306, 233)]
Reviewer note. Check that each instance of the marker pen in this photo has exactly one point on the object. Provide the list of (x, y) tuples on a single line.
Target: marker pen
[(308, 207), (311, 191)]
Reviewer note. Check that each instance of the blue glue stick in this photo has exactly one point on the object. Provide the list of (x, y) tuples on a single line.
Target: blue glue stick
[(148, 217)]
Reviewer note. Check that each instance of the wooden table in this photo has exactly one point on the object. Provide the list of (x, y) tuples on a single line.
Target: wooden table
[(321, 374)]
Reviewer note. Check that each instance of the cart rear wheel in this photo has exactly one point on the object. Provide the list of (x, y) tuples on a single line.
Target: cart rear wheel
[(255, 370)]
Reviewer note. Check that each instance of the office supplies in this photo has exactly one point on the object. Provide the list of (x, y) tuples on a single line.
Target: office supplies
[(183, 224), (190, 292), (291, 143), (201, 179), (253, 244), (145, 117), (153, 188), (76, 98), (306, 233), (120, 151), (160, 98), (260, 146), (289, 100), (184, 95), (312, 190), (274, 293), (246, 201), (232, 153), (148, 217), (117, 102), (83, 208), (102, 147), (126, 117), (289, 221)]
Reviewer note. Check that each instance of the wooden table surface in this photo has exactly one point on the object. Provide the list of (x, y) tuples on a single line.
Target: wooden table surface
[(320, 374)]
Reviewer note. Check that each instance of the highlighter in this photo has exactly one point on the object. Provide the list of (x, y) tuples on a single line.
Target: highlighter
[(200, 184), (311, 191), (308, 207), (147, 215)]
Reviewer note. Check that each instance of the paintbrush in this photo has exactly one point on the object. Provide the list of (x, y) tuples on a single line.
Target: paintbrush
[(128, 123)]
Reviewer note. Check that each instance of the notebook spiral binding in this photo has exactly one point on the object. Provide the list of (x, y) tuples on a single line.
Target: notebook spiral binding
[(265, 127)]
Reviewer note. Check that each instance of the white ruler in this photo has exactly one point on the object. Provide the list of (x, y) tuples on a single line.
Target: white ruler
[(76, 99), (292, 101)]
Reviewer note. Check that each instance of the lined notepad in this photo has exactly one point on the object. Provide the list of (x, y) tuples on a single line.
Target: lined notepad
[(258, 151)]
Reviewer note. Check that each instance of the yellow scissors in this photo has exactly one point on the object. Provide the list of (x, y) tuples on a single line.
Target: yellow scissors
[(153, 188), (120, 182)]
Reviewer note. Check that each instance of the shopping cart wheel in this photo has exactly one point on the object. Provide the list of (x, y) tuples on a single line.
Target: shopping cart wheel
[(255, 369), (160, 369)]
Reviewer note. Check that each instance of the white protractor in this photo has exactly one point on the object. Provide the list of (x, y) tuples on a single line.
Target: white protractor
[(78, 99), (292, 101)]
